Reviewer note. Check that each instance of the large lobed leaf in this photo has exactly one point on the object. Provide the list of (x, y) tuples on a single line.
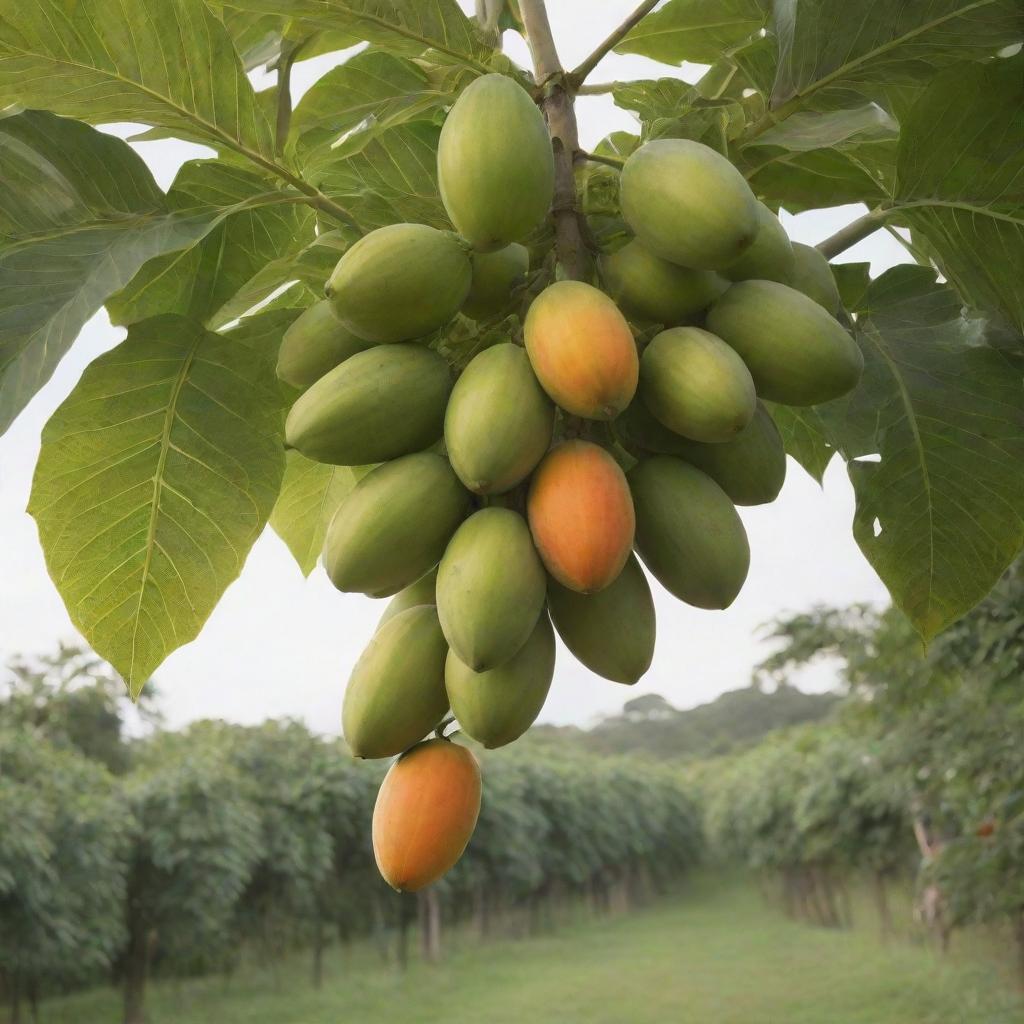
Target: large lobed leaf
[(169, 64), (156, 476)]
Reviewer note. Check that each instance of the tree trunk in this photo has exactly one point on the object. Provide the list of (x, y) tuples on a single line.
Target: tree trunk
[(1018, 932), (406, 914), (318, 950), (14, 1000), (136, 969), (881, 893), (430, 925), (481, 912)]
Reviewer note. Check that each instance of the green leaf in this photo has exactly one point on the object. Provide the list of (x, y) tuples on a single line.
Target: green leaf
[(694, 30), (169, 64), (310, 495), (79, 215), (200, 279), (805, 438), (811, 129), (946, 416), (853, 281), (825, 43), (963, 186), (156, 475)]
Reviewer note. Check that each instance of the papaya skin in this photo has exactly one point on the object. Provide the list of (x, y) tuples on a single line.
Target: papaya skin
[(581, 516), (688, 204), (770, 256), (377, 405), (400, 282), (582, 350), (499, 421), (796, 353), (696, 385), (495, 276), (395, 694), (611, 632), (688, 533), (812, 275), (413, 596), (490, 588), (496, 707), (495, 164), (648, 288), (393, 526), (425, 814), (315, 342)]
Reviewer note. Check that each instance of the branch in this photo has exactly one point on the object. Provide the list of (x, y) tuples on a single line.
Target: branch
[(557, 104), (608, 161), (580, 73), (284, 94), (853, 233)]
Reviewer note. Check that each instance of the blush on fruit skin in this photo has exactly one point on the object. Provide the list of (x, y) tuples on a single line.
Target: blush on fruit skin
[(425, 813), (581, 516), (582, 350)]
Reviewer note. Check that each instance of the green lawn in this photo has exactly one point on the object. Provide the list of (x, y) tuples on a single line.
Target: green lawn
[(714, 955)]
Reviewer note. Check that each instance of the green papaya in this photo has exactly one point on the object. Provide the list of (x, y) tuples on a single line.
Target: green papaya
[(316, 341), (419, 593), (495, 165), (688, 533), (636, 428), (688, 204), (375, 406), (394, 525), (770, 256), (396, 692), (812, 275), (751, 468), (499, 421), (495, 274), (497, 706), (400, 282), (612, 631), (648, 288), (796, 353), (696, 385), (490, 588)]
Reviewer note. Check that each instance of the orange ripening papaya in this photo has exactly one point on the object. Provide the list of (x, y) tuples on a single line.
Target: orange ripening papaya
[(582, 350), (581, 516), (425, 813)]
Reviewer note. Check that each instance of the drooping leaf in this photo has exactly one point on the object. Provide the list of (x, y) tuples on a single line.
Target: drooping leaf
[(310, 495), (694, 30), (810, 129), (946, 416), (960, 175), (200, 279), (654, 98), (829, 43), (804, 437), (156, 476), (79, 215), (169, 64)]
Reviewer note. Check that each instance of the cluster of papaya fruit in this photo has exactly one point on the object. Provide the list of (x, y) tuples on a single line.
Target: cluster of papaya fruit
[(512, 497)]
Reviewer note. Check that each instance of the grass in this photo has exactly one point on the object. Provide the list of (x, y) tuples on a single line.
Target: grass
[(715, 954)]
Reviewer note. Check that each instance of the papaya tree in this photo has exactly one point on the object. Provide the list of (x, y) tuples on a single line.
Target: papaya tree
[(413, 322)]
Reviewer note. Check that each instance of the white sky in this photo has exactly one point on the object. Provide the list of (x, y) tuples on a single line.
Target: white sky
[(280, 645)]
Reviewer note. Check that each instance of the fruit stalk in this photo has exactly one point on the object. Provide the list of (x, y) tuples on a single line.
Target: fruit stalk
[(853, 233), (558, 107)]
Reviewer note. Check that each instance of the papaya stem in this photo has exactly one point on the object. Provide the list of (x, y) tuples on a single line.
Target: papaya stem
[(597, 89), (289, 52), (608, 161), (854, 232), (557, 104), (578, 75)]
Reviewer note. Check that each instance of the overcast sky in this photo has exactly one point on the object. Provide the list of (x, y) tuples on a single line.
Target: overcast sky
[(281, 645)]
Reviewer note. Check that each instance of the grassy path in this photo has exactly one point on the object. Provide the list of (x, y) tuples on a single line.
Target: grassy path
[(716, 955)]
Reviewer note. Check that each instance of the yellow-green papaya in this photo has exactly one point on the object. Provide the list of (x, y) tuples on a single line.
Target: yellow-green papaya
[(495, 166), (490, 588), (394, 525), (688, 204), (696, 385), (375, 406), (316, 341), (688, 532), (416, 594), (612, 631), (400, 282), (497, 706), (495, 274), (648, 288), (796, 353), (769, 257), (812, 275), (396, 692), (499, 421), (751, 468)]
